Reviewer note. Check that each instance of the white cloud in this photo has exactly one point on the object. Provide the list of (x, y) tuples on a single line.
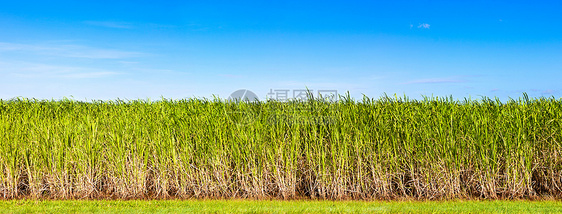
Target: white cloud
[(110, 24), (545, 91), (29, 70), (436, 80), (73, 51), (23, 47), (231, 76), (89, 75), (424, 25)]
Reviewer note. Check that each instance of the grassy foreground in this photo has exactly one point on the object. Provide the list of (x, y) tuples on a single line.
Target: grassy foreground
[(384, 148), (245, 206)]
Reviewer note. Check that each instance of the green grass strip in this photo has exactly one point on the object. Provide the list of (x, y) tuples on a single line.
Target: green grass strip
[(276, 206)]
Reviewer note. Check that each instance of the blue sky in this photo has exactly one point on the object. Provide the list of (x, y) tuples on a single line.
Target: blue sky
[(177, 49)]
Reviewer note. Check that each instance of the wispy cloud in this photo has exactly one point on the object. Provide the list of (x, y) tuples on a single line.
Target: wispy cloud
[(89, 75), (29, 70), (96, 53), (424, 25), (231, 76), (319, 85), (545, 92), (436, 80), (74, 51), (110, 24), (22, 47)]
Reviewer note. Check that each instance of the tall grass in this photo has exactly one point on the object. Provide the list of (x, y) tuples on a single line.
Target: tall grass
[(434, 148)]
